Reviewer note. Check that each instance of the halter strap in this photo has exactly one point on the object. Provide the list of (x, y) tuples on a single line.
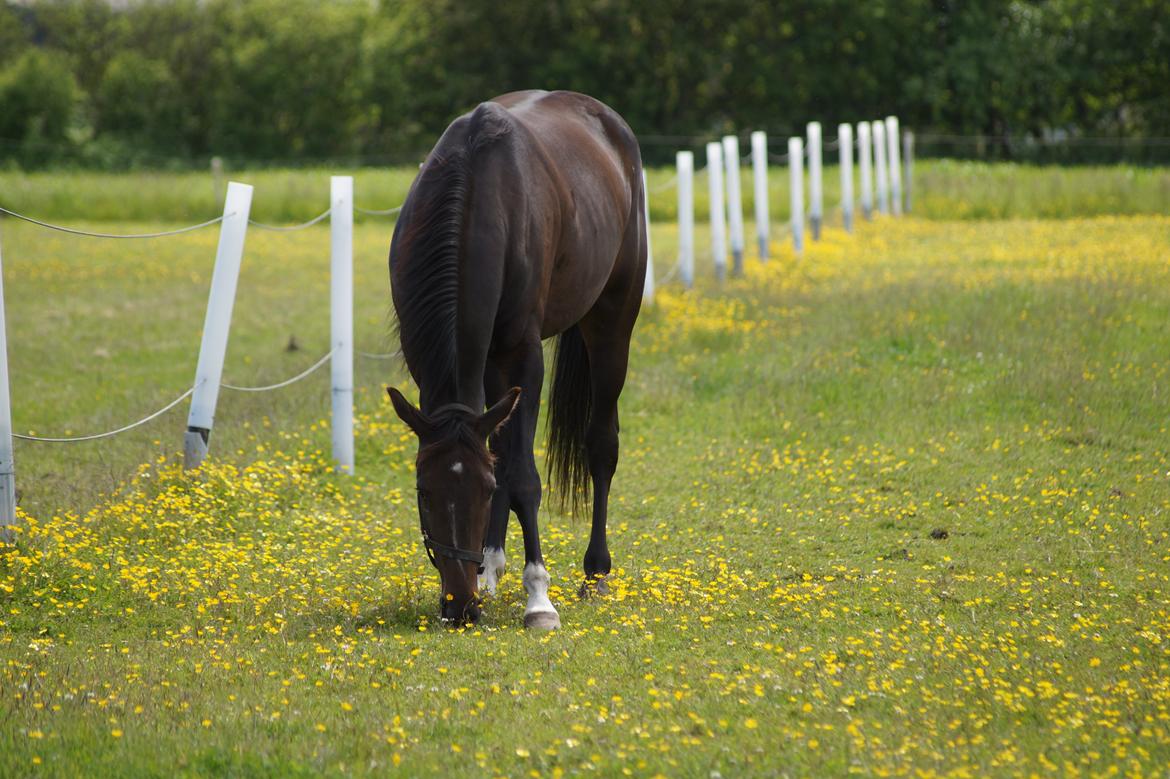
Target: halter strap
[(455, 407), (433, 547)]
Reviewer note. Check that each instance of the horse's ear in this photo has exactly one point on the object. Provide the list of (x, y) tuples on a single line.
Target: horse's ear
[(498, 414), (413, 418)]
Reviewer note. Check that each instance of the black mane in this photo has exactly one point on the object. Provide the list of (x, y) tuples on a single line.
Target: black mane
[(427, 288), (425, 253), (454, 427)]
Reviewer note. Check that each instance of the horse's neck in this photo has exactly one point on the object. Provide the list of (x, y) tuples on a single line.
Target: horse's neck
[(430, 401), (463, 386)]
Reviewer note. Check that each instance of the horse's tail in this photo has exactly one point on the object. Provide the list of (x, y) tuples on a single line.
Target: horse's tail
[(568, 462)]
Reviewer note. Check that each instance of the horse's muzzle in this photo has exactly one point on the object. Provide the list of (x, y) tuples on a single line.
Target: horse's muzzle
[(460, 613)]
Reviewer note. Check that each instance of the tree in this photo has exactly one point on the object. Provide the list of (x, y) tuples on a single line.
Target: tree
[(138, 101), (37, 100)]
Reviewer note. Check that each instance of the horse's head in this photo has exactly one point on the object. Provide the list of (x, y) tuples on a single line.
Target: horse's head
[(456, 480)]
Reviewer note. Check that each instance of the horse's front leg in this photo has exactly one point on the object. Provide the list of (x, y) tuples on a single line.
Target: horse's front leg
[(522, 480), (496, 385)]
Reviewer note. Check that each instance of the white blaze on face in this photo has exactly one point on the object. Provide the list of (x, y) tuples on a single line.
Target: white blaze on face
[(493, 569), (457, 468)]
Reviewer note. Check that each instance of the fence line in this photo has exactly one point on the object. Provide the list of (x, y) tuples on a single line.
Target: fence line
[(155, 414), (7, 454), (229, 255), (665, 185), (376, 212), (1024, 140), (292, 228), (86, 233), (670, 274), (759, 157), (286, 382), (108, 434), (380, 355), (342, 222)]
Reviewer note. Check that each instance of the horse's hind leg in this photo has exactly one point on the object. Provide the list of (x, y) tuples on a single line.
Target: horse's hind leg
[(607, 340), (607, 368), (606, 330)]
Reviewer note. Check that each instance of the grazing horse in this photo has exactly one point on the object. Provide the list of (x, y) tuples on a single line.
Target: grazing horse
[(526, 221)]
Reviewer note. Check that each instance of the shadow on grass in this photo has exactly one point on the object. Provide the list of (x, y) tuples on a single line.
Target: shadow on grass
[(393, 616)]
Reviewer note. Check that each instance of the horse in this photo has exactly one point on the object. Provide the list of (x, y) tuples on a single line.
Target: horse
[(525, 222)]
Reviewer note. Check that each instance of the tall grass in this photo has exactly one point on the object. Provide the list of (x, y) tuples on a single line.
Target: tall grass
[(941, 189)]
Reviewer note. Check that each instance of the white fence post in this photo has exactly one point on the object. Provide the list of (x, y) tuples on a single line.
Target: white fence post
[(7, 455), (209, 371), (685, 162), (816, 195), (216, 176), (796, 191), (907, 165), (341, 318), (865, 160), (760, 183), (893, 137), (648, 285), (715, 191), (845, 145), (879, 162), (734, 201)]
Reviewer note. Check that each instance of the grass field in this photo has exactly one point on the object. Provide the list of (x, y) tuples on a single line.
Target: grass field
[(899, 507), (942, 189)]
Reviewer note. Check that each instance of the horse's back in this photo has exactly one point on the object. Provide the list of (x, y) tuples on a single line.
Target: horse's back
[(588, 140), (594, 163), (523, 216)]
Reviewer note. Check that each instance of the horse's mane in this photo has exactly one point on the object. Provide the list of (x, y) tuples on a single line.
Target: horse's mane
[(427, 245), (453, 427)]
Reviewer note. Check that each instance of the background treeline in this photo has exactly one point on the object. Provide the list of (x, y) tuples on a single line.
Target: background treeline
[(280, 81)]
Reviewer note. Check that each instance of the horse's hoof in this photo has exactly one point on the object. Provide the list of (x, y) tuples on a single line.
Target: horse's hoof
[(593, 585), (542, 620)]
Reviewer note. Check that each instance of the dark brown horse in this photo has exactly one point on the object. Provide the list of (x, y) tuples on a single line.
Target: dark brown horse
[(525, 222)]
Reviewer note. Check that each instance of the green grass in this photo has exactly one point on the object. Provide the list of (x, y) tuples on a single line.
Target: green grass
[(102, 332), (942, 189), (898, 506)]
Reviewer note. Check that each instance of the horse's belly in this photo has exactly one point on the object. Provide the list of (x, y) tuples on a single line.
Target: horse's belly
[(576, 284)]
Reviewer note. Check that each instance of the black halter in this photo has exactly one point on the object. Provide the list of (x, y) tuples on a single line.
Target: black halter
[(455, 407), (432, 546)]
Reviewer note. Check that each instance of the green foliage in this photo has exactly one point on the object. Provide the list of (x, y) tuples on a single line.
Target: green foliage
[(138, 99), (280, 81), (293, 85), (37, 98), (13, 38)]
